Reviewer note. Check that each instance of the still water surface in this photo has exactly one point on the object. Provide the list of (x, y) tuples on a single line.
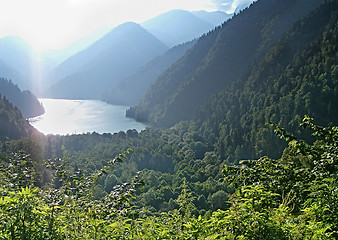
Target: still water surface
[(64, 116)]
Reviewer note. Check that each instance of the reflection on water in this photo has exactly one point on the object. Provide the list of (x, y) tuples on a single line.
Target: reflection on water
[(64, 116)]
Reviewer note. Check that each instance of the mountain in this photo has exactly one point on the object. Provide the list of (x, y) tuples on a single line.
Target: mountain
[(27, 103), (100, 66), (179, 26), (297, 76), (17, 61), (217, 60), (130, 90)]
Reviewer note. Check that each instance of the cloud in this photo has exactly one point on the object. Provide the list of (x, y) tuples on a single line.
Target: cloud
[(229, 6), (223, 5)]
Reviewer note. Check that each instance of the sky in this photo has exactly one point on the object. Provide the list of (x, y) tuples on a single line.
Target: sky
[(55, 24)]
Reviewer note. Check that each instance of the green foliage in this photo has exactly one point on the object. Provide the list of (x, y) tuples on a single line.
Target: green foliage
[(303, 182), (185, 201), (23, 215), (65, 209), (271, 200), (165, 157), (18, 171)]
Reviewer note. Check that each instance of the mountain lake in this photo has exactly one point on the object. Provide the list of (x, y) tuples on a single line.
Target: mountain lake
[(63, 116)]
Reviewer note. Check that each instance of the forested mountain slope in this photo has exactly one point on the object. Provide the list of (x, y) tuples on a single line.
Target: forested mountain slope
[(91, 72), (12, 124), (130, 90), (27, 103), (297, 77), (218, 59)]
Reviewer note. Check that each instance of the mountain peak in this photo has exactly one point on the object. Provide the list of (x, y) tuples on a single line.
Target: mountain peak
[(177, 26), (127, 24), (121, 51)]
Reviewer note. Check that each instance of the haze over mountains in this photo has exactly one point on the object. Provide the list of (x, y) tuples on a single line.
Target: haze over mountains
[(39, 72), (131, 89), (17, 61), (93, 70), (122, 52), (54, 57)]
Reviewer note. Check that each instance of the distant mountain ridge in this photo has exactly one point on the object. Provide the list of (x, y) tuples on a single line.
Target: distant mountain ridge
[(89, 73), (92, 71), (130, 90), (20, 63)]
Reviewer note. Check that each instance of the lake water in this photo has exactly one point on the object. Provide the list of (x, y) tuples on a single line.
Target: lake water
[(82, 116)]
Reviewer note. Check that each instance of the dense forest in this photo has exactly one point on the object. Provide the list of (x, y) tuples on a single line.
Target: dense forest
[(297, 77), (26, 102), (255, 158), (293, 197)]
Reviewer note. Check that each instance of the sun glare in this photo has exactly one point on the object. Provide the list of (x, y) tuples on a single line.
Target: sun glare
[(55, 24)]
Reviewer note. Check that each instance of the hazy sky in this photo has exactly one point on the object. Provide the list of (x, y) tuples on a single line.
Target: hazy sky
[(53, 24)]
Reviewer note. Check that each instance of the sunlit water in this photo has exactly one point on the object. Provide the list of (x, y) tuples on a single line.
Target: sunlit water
[(81, 116)]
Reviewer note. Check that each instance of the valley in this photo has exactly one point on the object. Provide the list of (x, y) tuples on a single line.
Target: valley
[(190, 125)]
